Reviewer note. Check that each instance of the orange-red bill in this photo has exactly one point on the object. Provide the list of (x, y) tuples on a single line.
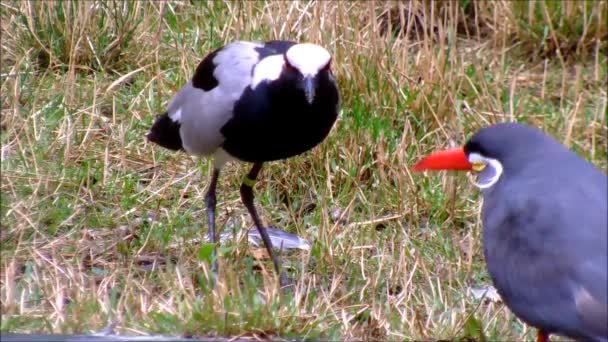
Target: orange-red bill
[(453, 159)]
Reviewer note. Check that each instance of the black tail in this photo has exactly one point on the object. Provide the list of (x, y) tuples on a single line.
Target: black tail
[(165, 132)]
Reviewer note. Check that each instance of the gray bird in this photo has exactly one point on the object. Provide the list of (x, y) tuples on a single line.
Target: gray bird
[(252, 102), (545, 227)]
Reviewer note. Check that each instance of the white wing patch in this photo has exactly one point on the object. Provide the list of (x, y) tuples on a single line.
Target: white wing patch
[(268, 69), (308, 58), (233, 66)]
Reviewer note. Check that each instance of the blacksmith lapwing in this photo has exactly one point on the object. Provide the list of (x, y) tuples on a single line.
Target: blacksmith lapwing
[(545, 227), (252, 102)]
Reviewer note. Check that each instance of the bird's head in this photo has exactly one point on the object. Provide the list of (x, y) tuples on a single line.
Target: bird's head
[(492, 150), (306, 62)]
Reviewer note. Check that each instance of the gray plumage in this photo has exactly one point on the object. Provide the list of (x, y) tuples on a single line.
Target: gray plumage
[(203, 113), (546, 233)]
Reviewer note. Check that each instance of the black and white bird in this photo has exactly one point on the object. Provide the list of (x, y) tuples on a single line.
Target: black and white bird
[(252, 102)]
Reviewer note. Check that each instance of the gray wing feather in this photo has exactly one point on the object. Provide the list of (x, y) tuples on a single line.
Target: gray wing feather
[(203, 113)]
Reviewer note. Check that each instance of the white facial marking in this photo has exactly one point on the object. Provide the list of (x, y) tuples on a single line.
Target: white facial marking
[(268, 69), (308, 58), (492, 166)]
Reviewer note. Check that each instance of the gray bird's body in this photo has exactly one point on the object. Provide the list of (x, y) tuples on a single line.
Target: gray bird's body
[(545, 242), (545, 227)]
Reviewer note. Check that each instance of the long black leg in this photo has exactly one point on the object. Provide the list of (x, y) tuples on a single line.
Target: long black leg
[(210, 202), (247, 198)]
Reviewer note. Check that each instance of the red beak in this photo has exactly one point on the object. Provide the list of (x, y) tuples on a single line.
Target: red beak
[(453, 159)]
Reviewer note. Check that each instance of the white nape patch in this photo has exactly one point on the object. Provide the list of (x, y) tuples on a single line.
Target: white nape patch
[(268, 69), (487, 179), (308, 58), (176, 115)]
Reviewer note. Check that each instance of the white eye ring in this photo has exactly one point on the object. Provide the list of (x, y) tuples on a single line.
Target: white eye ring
[(490, 162)]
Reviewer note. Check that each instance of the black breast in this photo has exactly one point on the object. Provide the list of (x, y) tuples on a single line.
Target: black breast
[(274, 120)]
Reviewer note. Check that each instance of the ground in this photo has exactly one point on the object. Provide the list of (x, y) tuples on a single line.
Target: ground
[(99, 226)]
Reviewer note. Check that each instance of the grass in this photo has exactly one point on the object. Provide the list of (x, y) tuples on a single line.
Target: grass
[(99, 226)]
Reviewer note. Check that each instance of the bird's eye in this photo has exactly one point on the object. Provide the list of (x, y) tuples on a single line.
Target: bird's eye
[(478, 166), (327, 66)]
